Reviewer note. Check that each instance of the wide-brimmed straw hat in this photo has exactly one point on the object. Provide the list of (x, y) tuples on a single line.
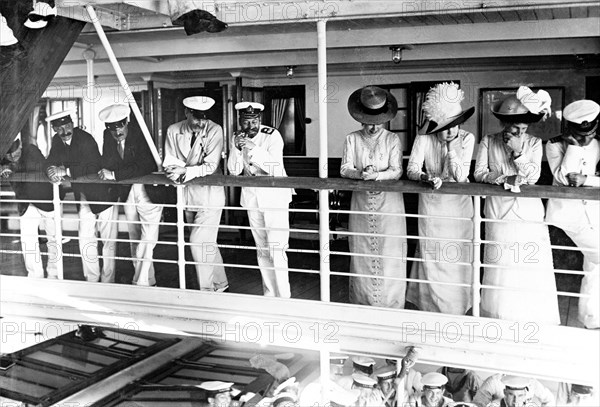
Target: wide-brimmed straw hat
[(372, 105), (443, 109), (525, 107)]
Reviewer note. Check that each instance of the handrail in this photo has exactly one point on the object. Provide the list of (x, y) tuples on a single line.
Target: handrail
[(451, 188)]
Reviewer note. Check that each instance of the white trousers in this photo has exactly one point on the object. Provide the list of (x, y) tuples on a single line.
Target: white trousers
[(143, 217), (205, 252), (31, 221), (270, 249), (588, 237), (90, 225)]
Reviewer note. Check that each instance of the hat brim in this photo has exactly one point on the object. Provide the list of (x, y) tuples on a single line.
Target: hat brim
[(35, 25), (589, 127), (515, 118), (451, 121), (364, 115)]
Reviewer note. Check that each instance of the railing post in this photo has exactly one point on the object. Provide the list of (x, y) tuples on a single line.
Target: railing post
[(180, 235), (476, 286), (324, 252), (58, 230), (324, 357)]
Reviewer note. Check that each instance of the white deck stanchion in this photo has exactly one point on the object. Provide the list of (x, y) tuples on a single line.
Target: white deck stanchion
[(476, 287), (58, 226), (323, 193), (180, 236)]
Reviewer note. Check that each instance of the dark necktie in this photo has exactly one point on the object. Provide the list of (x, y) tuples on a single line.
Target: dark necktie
[(68, 151), (194, 135)]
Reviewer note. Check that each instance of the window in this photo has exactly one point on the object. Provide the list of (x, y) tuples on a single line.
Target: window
[(285, 110), (176, 383), (46, 373), (400, 124), (409, 120)]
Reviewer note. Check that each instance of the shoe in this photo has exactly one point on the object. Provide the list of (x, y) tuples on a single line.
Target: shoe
[(143, 285), (52, 277), (222, 289)]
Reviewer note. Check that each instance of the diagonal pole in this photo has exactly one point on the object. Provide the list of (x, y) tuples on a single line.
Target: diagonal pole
[(130, 99)]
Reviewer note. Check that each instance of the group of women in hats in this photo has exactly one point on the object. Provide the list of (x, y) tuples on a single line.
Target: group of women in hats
[(524, 284)]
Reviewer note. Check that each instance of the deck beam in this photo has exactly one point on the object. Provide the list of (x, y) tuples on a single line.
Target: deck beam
[(462, 341)]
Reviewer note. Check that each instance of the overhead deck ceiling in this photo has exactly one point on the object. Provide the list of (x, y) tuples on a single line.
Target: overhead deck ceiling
[(127, 15), (264, 37)]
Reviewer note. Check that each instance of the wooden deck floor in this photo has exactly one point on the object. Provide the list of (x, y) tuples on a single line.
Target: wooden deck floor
[(248, 280)]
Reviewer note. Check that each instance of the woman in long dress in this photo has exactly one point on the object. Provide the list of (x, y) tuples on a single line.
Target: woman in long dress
[(375, 154), (443, 154), (521, 246)]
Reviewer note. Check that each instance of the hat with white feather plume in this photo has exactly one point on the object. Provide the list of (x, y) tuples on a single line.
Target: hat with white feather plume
[(443, 109)]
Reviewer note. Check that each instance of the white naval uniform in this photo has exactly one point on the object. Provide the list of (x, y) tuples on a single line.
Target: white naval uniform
[(580, 219), (105, 223), (267, 207), (411, 388), (94, 227), (418, 402), (143, 222), (204, 204), (30, 222), (492, 391)]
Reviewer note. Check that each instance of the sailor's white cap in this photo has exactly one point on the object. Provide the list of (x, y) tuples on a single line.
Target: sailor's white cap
[(114, 113)]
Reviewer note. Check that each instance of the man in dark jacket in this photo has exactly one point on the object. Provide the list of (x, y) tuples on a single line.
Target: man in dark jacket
[(74, 153), (34, 214), (126, 155)]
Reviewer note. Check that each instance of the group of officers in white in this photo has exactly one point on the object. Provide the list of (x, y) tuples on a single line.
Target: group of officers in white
[(359, 382), (193, 148), (511, 158)]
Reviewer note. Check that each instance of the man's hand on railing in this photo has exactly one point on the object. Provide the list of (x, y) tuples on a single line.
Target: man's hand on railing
[(106, 175), (5, 171), (175, 173), (56, 174)]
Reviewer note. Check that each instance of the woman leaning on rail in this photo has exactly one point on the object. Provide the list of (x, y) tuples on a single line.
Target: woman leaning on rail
[(441, 155), (519, 256), (375, 154)]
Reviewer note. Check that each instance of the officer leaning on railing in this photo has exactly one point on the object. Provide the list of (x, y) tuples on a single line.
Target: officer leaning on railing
[(28, 158), (126, 155), (573, 158)]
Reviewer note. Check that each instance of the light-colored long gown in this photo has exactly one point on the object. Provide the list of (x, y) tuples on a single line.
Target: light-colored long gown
[(526, 277), (441, 256), (384, 152)]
